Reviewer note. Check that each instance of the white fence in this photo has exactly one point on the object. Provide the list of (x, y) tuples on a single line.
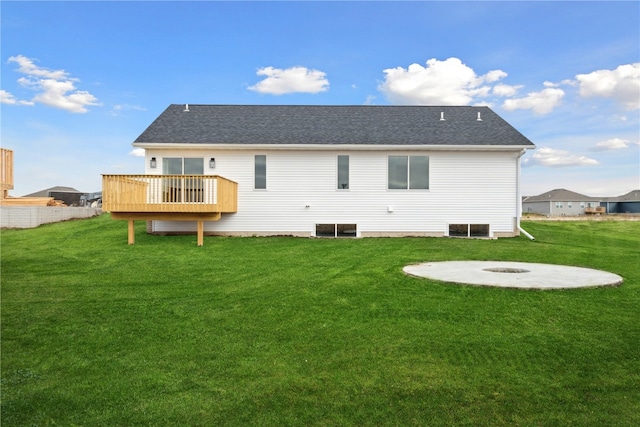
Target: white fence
[(33, 216)]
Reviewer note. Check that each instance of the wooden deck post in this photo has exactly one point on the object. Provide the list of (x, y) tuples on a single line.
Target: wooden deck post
[(200, 232), (132, 233)]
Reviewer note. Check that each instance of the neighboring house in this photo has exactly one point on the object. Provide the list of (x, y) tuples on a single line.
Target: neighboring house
[(561, 202), (70, 196), (325, 171), (627, 203)]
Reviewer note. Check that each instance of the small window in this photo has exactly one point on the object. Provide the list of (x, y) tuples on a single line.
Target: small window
[(325, 230), (559, 205), (345, 230), (343, 172), (408, 172), (458, 230), (260, 182), (478, 230), (468, 230), (336, 230)]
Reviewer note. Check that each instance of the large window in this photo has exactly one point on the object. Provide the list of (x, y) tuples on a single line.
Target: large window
[(408, 172), (343, 172), (260, 182)]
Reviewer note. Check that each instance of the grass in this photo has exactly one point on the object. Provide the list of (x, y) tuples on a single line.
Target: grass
[(320, 332)]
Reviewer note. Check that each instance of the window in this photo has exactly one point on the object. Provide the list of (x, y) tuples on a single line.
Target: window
[(478, 230), (468, 230), (260, 182), (458, 230), (336, 230), (343, 172), (408, 172), (559, 205), (569, 205)]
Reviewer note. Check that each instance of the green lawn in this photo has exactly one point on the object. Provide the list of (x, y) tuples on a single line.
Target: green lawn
[(319, 332)]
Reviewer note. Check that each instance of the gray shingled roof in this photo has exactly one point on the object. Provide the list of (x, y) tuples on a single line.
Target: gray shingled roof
[(340, 125), (631, 196), (561, 195), (58, 189)]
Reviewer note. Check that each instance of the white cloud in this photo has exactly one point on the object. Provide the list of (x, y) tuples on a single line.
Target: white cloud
[(551, 157), (495, 75), (448, 82), (506, 90), (117, 109), (291, 80), (137, 152), (612, 144), (9, 99), (56, 93), (542, 102), (29, 68), (54, 88), (621, 84)]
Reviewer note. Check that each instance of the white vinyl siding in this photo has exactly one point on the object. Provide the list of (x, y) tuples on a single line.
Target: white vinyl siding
[(464, 188)]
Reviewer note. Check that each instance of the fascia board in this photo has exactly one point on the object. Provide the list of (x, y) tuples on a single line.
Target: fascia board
[(326, 147)]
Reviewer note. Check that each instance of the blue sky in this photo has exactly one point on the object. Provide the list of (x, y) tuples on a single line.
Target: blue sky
[(81, 80)]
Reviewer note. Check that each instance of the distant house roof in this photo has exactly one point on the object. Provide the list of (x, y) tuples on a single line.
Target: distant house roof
[(332, 125), (560, 195), (48, 191), (631, 196)]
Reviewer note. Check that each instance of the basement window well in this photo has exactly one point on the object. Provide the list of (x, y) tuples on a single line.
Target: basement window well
[(336, 230), (468, 230)]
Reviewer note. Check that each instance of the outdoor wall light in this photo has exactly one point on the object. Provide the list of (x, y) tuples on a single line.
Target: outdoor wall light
[(153, 163), (212, 163)]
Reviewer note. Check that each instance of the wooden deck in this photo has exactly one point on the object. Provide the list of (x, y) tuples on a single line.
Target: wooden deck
[(6, 172), (169, 197), (595, 210)]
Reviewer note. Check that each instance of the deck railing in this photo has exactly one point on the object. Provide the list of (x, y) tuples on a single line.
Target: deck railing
[(6, 171), (169, 194), (595, 210)]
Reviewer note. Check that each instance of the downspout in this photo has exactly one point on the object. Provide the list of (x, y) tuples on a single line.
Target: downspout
[(526, 233), (519, 199)]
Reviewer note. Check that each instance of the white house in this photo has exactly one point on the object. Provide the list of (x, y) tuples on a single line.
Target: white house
[(339, 170)]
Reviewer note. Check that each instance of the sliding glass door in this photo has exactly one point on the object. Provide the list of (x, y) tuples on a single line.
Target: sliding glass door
[(183, 189)]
